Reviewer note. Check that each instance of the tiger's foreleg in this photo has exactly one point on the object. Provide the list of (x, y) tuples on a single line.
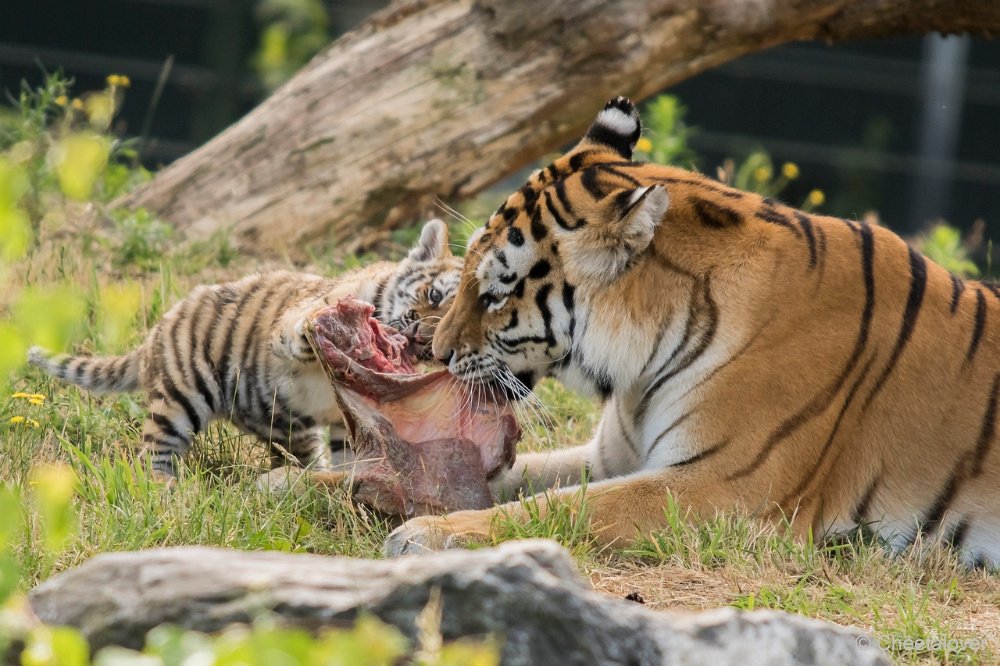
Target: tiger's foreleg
[(311, 448), (619, 510), (298, 480), (537, 472)]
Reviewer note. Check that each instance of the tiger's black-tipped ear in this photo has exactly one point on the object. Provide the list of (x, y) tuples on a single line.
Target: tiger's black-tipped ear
[(433, 243), (598, 254), (617, 126)]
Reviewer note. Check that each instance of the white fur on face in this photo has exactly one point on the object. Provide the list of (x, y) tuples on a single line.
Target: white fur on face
[(502, 267)]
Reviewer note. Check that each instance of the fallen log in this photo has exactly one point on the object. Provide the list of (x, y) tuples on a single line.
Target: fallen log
[(445, 97)]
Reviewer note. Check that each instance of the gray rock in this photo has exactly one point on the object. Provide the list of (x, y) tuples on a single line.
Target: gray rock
[(529, 593)]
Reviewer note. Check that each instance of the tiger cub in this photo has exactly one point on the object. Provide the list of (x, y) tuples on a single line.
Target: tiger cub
[(238, 351)]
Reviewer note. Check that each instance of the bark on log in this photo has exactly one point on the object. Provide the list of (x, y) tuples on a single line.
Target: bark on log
[(526, 593), (445, 97)]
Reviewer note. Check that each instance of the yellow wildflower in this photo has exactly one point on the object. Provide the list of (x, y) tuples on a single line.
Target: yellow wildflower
[(33, 423), (118, 81), (62, 100), (762, 173), (77, 104), (790, 170), (16, 419), (33, 398), (644, 145), (816, 198)]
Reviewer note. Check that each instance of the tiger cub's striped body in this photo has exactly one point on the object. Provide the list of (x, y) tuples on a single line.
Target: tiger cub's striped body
[(237, 350), (749, 355)]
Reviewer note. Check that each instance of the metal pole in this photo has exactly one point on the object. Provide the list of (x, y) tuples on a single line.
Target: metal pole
[(943, 92)]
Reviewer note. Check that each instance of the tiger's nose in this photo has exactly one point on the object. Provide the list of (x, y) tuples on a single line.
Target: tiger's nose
[(444, 355)]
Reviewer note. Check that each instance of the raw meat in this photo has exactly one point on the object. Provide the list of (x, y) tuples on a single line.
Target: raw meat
[(423, 442)]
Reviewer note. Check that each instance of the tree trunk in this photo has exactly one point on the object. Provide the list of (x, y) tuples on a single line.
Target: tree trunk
[(445, 97)]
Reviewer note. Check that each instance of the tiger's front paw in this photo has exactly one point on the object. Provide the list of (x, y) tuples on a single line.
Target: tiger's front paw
[(292, 342), (165, 479), (427, 534)]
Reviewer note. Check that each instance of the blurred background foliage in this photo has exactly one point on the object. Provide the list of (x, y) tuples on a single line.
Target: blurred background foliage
[(291, 32), (865, 120), (61, 162)]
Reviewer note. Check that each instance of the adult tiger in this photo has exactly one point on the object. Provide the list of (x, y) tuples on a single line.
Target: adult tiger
[(749, 356)]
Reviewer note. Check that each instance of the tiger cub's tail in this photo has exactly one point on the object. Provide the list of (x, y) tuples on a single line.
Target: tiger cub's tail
[(101, 374)]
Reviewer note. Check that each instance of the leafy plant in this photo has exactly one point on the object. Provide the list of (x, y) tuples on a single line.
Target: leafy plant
[(665, 139), (140, 239), (944, 245), (292, 32)]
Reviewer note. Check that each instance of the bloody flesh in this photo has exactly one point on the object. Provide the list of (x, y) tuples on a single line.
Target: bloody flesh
[(423, 442)]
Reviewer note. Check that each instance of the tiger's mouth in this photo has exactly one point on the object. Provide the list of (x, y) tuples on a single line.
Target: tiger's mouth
[(494, 378)]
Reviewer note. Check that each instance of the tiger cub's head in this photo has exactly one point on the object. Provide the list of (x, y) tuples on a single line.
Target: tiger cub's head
[(573, 230), (422, 287)]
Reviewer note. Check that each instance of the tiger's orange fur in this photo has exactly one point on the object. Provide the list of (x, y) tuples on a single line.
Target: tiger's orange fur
[(750, 356)]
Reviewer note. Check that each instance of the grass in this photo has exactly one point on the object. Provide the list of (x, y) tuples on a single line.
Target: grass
[(922, 606), (914, 603), (922, 595)]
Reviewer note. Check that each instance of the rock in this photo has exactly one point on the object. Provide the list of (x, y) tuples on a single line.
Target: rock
[(527, 592)]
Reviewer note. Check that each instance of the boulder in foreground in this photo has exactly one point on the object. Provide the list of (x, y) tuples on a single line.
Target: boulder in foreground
[(528, 593)]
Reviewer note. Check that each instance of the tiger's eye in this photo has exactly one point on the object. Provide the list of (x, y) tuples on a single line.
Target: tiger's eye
[(435, 296)]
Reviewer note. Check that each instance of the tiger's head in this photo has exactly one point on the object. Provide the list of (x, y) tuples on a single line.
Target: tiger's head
[(422, 286), (534, 275)]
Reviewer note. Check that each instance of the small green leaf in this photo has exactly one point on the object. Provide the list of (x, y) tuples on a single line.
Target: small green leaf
[(118, 656), (10, 576), (54, 487), (79, 159)]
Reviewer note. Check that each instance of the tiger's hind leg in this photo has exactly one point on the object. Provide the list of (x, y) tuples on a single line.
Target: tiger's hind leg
[(167, 433)]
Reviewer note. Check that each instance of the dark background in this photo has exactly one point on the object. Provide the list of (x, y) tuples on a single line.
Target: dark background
[(906, 127)]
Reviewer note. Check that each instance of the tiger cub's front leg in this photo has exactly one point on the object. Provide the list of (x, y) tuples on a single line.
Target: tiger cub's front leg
[(290, 340)]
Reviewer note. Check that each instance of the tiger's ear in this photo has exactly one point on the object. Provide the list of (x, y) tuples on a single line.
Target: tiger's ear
[(616, 127), (601, 251), (433, 243)]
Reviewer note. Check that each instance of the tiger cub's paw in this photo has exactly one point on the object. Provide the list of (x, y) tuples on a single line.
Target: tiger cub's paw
[(292, 343), (162, 478), (280, 480)]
